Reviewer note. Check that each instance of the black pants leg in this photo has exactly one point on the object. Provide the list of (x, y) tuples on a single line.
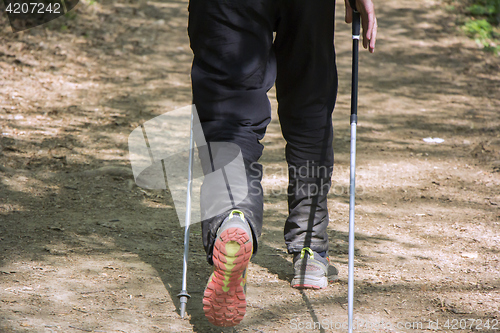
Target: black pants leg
[(233, 68), (306, 89)]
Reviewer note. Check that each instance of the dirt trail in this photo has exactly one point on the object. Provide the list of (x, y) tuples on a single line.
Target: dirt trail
[(91, 252)]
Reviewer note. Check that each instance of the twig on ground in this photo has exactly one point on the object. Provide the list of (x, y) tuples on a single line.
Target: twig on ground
[(91, 292), (79, 328)]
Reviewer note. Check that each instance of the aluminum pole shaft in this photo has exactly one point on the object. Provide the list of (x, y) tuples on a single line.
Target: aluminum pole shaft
[(352, 187), (183, 295)]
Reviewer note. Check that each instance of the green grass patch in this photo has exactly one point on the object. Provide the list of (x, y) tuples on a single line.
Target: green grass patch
[(482, 22)]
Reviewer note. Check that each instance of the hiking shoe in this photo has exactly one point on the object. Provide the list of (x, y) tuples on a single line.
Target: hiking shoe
[(224, 301), (312, 270)]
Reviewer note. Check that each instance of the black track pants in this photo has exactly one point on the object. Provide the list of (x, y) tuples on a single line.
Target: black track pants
[(236, 61)]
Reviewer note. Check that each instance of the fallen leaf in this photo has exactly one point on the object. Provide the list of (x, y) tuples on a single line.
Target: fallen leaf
[(469, 255)]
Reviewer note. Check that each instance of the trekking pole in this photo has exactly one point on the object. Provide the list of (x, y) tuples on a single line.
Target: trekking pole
[(352, 188), (183, 295)]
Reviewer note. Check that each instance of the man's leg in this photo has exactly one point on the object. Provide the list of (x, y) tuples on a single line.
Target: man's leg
[(233, 68), (306, 90)]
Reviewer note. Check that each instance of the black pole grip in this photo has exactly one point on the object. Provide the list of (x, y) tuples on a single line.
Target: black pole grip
[(353, 5), (355, 56), (356, 23)]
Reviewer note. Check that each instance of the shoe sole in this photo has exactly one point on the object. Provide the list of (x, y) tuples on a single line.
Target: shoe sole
[(312, 282), (224, 300), (309, 282)]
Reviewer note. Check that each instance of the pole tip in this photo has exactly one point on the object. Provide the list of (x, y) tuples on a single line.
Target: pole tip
[(183, 310), (183, 296)]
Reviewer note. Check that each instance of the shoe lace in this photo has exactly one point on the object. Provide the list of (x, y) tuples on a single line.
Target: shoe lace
[(239, 212), (303, 252)]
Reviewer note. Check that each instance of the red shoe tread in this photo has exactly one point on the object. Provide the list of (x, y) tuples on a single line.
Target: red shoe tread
[(227, 308)]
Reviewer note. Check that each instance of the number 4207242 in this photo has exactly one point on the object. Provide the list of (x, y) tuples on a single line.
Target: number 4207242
[(33, 8)]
